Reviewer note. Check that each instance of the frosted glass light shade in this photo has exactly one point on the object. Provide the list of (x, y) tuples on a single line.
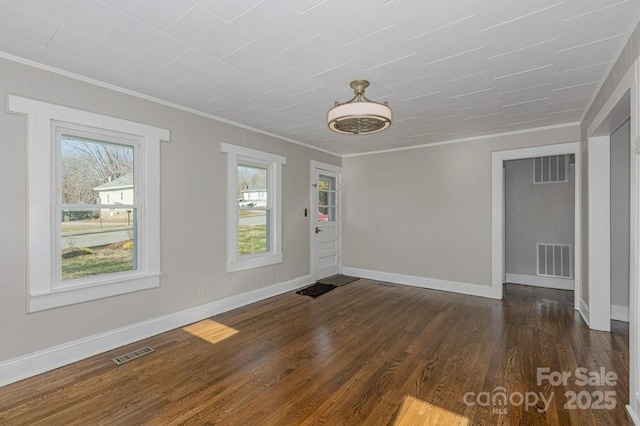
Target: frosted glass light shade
[(359, 117)]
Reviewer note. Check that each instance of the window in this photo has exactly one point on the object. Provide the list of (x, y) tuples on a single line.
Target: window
[(254, 203), (82, 244)]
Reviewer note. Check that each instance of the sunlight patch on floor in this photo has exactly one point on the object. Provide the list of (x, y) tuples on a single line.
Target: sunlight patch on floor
[(414, 412), (210, 331)]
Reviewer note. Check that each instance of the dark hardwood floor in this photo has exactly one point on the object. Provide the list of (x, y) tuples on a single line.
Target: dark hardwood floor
[(365, 353)]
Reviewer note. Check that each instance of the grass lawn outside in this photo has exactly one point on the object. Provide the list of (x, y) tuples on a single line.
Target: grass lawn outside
[(78, 263), (252, 239)]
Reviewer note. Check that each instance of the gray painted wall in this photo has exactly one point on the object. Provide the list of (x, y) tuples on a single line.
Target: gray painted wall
[(193, 179), (426, 212), (542, 213), (620, 164)]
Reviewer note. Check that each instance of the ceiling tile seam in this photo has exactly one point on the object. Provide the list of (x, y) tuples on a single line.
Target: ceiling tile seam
[(472, 93), (581, 68), (569, 100), (564, 111), (457, 21), (121, 12), (408, 81), (524, 88), (500, 77), (455, 56), (244, 12), (480, 105), (185, 14), (147, 26), (464, 76), (574, 86), (221, 58), (590, 43), (520, 49), (159, 101), (53, 36), (330, 69), (520, 123), (522, 16), (524, 103), (365, 36), (421, 96), (526, 113), (616, 56), (484, 116), (312, 7), (594, 11), (442, 118), (390, 62), (299, 43)]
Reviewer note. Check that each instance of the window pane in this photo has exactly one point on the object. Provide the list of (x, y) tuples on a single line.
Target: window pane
[(97, 241), (253, 231), (94, 170), (252, 186)]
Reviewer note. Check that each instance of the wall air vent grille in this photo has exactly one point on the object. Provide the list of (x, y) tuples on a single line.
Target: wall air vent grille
[(555, 260)]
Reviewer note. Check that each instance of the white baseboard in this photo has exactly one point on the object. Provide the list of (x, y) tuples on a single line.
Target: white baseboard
[(546, 282), (634, 416), (39, 362), (584, 311), (423, 282), (620, 313)]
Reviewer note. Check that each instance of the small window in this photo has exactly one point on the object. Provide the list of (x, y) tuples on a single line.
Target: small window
[(254, 203), (550, 169)]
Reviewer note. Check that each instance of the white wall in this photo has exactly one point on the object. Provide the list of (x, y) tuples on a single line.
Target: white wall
[(535, 213), (193, 179), (426, 212), (620, 152)]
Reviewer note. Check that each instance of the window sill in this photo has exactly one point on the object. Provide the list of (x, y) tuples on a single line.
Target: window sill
[(254, 262), (71, 295)]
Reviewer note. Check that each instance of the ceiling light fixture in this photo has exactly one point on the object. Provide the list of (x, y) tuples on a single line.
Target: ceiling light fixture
[(359, 115)]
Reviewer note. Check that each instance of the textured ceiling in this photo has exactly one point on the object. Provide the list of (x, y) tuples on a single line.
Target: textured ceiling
[(449, 69)]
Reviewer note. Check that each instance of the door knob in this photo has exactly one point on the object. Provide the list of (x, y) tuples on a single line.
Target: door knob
[(318, 230)]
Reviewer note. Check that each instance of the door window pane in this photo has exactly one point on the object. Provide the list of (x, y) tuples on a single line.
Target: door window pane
[(326, 199)]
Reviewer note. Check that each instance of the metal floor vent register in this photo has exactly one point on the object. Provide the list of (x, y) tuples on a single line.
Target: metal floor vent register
[(133, 355)]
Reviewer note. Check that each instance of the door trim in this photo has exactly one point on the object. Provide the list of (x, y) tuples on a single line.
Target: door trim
[(497, 210), (317, 165)]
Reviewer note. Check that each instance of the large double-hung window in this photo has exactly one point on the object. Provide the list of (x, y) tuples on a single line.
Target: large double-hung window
[(93, 204)]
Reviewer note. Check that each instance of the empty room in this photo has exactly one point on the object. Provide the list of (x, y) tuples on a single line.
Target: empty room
[(270, 212)]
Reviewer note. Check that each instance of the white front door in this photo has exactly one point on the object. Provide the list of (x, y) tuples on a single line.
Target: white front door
[(326, 244)]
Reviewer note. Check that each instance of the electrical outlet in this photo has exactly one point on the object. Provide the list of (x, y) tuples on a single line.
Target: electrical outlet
[(202, 290)]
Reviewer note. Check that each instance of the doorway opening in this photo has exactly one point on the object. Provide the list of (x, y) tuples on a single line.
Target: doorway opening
[(567, 151)]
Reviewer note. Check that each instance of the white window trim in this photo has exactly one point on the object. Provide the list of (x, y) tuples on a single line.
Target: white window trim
[(41, 153), (235, 155)]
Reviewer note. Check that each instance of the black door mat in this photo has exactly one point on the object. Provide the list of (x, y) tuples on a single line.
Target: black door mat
[(316, 290), (338, 280)]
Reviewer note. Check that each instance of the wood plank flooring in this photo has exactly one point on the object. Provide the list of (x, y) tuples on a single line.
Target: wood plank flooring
[(367, 353)]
